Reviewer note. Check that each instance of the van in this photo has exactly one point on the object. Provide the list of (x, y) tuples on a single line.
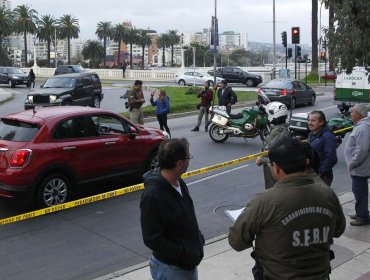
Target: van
[(351, 89)]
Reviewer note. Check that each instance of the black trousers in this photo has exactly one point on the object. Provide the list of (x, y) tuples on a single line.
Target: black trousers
[(162, 119)]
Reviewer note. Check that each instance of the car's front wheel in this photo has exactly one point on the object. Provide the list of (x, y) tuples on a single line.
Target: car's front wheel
[(152, 162), (312, 100), (53, 190), (211, 83), (96, 102)]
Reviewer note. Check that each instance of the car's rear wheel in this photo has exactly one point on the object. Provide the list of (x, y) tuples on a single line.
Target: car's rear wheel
[(292, 103), (53, 190), (96, 102), (182, 83), (249, 83), (11, 84), (67, 103), (211, 83), (312, 101)]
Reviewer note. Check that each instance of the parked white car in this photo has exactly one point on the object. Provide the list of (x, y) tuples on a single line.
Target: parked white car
[(195, 78)]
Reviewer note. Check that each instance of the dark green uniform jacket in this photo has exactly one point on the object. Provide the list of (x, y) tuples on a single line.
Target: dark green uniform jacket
[(293, 225)]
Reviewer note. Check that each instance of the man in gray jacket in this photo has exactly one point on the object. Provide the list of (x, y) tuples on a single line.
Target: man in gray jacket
[(357, 157)]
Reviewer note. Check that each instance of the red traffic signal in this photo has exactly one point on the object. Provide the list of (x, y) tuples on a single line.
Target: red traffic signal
[(322, 54), (295, 35)]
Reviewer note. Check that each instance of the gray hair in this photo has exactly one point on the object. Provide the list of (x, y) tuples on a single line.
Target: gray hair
[(361, 109)]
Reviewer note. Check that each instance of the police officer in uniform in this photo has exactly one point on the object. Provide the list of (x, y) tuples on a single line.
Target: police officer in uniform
[(293, 224)]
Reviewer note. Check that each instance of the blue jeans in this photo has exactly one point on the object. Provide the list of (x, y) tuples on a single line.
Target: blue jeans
[(360, 189), (162, 271)]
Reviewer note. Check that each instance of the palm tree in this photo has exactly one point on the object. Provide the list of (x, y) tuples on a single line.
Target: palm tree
[(143, 40), (68, 27), (119, 34), (173, 39), (132, 38), (315, 62), (104, 31), (25, 21), (6, 24), (163, 42), (94, 51), (46, 28)]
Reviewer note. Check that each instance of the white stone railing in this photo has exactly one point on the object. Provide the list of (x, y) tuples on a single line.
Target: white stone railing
[(161, 74)]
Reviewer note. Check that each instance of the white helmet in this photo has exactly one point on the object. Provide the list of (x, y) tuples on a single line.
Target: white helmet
[(276, 110)]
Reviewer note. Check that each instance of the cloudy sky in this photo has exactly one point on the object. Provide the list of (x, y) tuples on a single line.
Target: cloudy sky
[(251, 16)]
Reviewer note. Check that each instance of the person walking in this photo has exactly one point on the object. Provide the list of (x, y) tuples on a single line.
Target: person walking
[(226, 96), (322, 139), (163, 107), (293, 224), (135, 101), (357, 158), (206, 97), (124, 65), (168, 222), (277, 114), (31, 78)]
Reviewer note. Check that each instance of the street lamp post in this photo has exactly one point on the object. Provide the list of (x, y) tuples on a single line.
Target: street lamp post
[(34, 52), (273, 40), (194, 64), (182, 50), (320, 39)]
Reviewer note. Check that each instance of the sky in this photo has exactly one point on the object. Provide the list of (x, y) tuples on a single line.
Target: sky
[(251, 16)]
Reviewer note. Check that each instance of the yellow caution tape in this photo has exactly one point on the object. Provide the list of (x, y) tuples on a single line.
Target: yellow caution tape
[(127, 190)]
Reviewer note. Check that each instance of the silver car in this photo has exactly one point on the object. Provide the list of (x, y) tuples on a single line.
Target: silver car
[(195, 78)]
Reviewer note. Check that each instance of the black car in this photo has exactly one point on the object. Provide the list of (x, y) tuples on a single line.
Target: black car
[(68, 69), (13, 76), (83, 89), (289, 92), (237, 75)]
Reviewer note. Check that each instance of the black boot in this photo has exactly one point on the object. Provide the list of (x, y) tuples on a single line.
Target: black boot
[(195, 128)]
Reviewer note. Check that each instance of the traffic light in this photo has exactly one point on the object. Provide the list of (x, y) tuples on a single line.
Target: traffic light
[(290, 52), (299, 51), (295, 35), (322, 55), (284, 38)]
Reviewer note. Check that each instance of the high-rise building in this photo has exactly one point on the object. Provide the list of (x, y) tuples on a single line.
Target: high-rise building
[(5, 4)]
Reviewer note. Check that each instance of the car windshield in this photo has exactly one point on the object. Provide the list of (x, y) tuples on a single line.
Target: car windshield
[(279, 84), (15, 71), (60, 82), (13, 130)]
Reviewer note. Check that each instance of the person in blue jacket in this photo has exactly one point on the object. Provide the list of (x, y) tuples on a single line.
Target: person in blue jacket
[(322, 140), (163, 107)]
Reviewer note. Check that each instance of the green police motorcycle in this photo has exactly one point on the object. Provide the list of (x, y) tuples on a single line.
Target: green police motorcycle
[(249, 123)]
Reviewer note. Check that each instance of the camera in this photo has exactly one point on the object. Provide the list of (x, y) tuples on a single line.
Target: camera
[(127, 105)]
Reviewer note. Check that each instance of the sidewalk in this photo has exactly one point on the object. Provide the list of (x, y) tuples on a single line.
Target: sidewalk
[(352, 256)]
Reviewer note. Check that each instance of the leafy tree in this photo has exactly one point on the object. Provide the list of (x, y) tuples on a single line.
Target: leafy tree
[(25, 22), (351, 34), (132, 38), (68, 28), (143, 40), (119, 34), (4, 58), (173, 39), (104, 31), (6, 24), (94, 51), (163, 43), (46, 28)]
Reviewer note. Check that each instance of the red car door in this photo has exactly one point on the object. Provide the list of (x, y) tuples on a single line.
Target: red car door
[(78, 143)]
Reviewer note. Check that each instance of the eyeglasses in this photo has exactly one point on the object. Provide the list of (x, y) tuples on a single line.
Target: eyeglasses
[(189, 157)]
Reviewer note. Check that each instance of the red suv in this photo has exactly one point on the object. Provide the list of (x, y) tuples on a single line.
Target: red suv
[(45, 154)]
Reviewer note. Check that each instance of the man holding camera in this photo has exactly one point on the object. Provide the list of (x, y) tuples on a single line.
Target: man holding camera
[(135, 101), (205, 102)]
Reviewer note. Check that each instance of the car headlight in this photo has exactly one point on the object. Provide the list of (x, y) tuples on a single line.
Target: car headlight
[(52, 98), (166, 134), (30, 99)]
